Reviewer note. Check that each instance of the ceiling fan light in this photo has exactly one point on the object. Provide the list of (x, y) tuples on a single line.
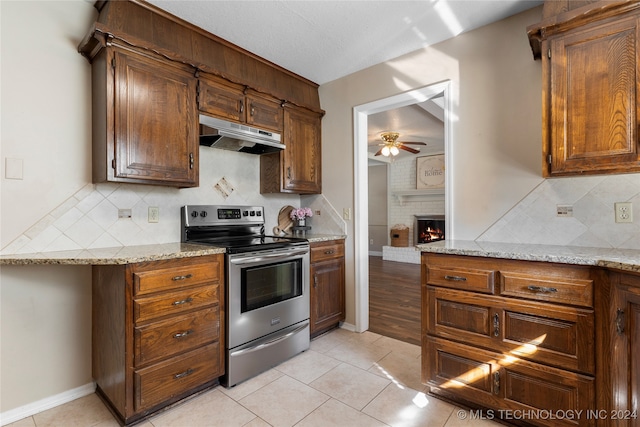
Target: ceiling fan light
[(394, 151), (385, 151)]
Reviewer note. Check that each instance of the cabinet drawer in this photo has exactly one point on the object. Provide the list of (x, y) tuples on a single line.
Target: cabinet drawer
[(559, 336), (495, 381), (551, 289), (158, 383), (176, 335), (161, 279), (322, 251), (469, 279), (171, 303)]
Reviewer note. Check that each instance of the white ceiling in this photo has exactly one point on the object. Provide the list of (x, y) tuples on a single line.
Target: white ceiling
[(323, 40)]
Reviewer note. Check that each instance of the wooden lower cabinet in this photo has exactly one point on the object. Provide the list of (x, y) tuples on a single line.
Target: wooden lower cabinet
[(625, 348), (157, 332), (515, 338), (327, 285)]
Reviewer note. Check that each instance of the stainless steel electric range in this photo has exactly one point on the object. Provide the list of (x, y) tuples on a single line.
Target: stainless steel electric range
[(266, 287)]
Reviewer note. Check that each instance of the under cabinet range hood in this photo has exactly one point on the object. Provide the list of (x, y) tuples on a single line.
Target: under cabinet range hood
[(226, 135)]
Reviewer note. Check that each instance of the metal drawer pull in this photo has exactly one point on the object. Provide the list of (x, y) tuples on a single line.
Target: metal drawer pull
[(329, 252), (186, 276), (496, 383), (620, 321), (541, 289), (455, 278), (183, 334), (184, 301), (183, 374), (496, 325)]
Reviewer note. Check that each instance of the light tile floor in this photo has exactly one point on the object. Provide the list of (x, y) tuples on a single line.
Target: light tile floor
[(345, 379)]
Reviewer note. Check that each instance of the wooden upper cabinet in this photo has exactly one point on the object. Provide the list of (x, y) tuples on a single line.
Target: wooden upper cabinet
[(237, 103), (590, 88), (296, 169), (146, 121)]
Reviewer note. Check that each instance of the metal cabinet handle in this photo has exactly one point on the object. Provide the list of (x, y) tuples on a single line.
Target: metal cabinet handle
[(183, 334), (541, 289), (289, 172), (496, 325), (185, 277), (496, 382), (191, 161), (330, 252), (252, 111), (620, 321), (183, 374), (315, 280), (241, 106), (184, 301), (455, 278)]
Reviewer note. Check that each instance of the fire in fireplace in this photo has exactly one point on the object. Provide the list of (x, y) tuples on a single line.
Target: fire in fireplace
[(428, 228)]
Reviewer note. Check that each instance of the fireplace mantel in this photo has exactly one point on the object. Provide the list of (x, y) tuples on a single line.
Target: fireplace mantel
[(417, 195)]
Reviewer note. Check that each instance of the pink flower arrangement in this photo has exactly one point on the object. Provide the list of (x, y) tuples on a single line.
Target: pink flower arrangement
[(301, 213)]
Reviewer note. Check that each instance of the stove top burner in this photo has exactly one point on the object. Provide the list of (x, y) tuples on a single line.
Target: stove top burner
[(239, 229)]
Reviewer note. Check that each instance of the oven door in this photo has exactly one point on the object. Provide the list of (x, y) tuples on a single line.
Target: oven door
[(268, 291)]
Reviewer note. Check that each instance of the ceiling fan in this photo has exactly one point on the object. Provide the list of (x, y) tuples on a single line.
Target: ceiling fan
[(392, 146)]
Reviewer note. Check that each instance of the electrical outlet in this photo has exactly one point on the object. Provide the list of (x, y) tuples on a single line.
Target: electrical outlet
[(154, 214), (124, 213), (317, 212), (371, 241), (624, 212), (346, 214)]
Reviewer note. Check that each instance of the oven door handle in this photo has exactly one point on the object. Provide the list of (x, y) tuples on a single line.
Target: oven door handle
[(253, 259), (271, 342)]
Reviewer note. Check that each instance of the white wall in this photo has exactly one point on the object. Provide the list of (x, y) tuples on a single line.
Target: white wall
[(496, 129)]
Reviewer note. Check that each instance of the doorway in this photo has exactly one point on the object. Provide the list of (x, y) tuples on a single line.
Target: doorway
[(361, 220)]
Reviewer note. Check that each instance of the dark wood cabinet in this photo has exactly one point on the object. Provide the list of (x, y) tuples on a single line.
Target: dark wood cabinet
[(223, 99), (510, 335), (327, 285), (145, 119), (157, 332), (590, 87), (298, 168), (625, 347)]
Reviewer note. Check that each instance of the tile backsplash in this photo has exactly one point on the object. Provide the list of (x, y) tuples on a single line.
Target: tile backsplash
[(534, 219), (89, 219)]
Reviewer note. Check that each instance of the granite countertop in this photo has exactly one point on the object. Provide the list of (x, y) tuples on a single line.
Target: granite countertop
[(112, 256), (129, 254), (621, 259)]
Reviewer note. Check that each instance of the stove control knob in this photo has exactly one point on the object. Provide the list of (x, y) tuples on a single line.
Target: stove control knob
[(203, 214), (245, 213), (194, 214)]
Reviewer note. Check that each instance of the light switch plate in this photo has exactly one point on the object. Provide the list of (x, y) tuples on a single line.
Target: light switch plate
[(13, 168)]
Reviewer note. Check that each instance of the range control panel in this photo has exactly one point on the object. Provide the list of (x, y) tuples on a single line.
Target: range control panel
[(200, 215)]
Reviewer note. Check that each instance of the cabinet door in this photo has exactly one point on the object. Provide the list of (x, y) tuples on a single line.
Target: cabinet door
[(264, 113), (327, 294), (592, 94), (221, 100), (506, 385), (626, 347), (552, 334), (156, 122), (302, 157)]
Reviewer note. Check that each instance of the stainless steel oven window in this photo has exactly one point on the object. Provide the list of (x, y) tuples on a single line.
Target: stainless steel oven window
[(269, 284)]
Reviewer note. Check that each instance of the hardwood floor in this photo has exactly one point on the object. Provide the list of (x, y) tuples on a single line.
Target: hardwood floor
[(394, 299)]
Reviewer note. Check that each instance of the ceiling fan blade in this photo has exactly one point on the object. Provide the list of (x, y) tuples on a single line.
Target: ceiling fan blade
[(379, 152), (413, 143), (409, 149)]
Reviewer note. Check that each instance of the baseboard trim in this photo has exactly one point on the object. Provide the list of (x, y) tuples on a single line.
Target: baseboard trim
[(33, 408), (348, 326)]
